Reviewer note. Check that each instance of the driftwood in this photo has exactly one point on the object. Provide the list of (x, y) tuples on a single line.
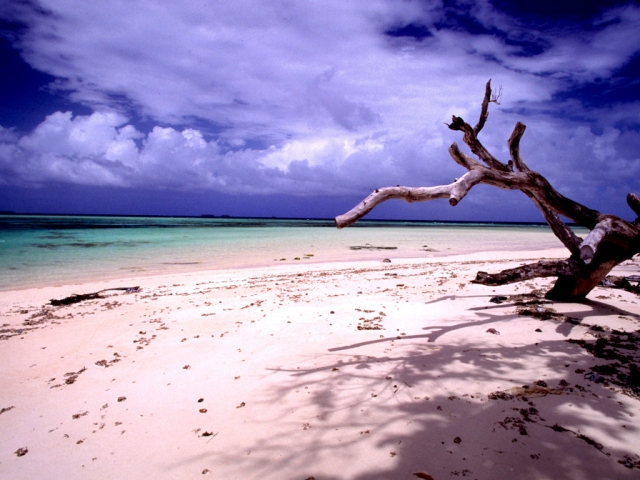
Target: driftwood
[(611, 241), (89, 296)]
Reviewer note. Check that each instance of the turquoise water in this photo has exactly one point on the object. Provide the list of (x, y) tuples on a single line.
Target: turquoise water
[(38, 250)]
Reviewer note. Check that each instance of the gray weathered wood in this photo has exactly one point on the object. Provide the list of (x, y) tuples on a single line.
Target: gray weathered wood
[(611, 240)]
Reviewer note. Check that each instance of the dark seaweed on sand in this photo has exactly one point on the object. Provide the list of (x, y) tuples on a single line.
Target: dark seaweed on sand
[(90, 296)]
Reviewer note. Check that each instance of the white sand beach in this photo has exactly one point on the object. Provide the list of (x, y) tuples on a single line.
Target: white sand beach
[(365, 370)]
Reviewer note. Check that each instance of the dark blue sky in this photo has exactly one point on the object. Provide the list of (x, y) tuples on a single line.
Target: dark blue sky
[(300, 110)]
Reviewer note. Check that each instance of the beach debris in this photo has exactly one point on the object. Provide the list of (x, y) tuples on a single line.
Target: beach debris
[(6, 409), (500, 395), (498, 299), (78, 415), (493, 330), (368, 246), (90, 296), (200, 400), (209, 434), (621, 349), (374, 323), (457, 440), (462, 473), (392, 454), (73, 376), (514, 423), (122, 399), (423, 475), (40, 317), (535, 390), (203, 410), (581, 436), (241, 405), (107, 364), (386, 260), (593, 377), (205, 471), (538, 389), (623, 283), (630, 461), (7, 333), (534, 307), (21, 452)]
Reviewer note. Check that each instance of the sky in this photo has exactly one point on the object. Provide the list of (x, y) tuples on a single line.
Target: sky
[(302, 108)]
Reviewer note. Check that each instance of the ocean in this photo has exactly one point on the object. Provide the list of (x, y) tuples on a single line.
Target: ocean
[(41, 250)]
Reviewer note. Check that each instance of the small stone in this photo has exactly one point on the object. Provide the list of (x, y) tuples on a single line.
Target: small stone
[(21, 452)]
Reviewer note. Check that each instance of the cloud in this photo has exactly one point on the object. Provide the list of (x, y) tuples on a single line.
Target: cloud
[(312, 97)]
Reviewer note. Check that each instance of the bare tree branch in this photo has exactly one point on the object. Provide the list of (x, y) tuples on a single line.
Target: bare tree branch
[(484, 111), (457, 123), (590, 244), (634, 202), (514, 147), (489, 97), (462, 159), (611, 241), (560, 230), (454, 191), (543, 268)]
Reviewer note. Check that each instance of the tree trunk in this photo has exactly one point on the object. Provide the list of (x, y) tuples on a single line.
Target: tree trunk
[(611, 241)]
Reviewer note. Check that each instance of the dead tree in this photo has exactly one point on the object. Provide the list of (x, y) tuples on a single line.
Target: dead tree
[(611, 241)]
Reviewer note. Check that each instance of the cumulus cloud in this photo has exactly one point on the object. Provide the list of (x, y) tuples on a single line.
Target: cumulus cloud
[(317, 97)]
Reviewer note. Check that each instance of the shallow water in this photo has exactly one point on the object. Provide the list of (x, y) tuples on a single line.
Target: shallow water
[(38, 250)]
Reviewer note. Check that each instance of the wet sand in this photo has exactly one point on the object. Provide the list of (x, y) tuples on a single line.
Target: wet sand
[(365, 370)]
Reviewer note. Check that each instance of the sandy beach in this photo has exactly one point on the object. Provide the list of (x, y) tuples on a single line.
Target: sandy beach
[(364, 370)]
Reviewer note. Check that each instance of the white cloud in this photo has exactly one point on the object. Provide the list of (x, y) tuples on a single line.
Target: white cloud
[(306, 97)]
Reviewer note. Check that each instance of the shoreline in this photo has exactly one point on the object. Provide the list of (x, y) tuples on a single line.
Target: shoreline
[(346, 370), (85, 251), (189, 268)]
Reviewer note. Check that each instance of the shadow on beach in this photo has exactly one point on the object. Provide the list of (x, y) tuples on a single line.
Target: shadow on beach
[(422, 407)]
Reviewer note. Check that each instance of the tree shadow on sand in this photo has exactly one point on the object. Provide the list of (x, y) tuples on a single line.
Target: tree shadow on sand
[(389, 408)]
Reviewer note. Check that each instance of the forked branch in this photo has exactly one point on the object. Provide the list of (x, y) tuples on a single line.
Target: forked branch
[(454, 192), (611, 240)]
